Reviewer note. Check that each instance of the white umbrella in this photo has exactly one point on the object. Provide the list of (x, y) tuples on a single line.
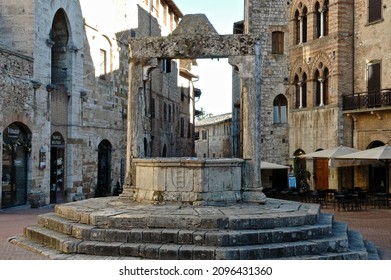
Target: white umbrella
[(382, 153), (330, 153), (269, 165)]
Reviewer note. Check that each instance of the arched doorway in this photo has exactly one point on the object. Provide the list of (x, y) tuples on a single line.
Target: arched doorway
[(16, 149), (104, 169), (57, 171)]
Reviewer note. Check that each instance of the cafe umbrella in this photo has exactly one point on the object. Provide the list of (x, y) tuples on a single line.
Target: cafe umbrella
[(330, 153), (382, 154)]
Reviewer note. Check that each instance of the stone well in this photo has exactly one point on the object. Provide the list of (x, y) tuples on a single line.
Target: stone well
[(188, 180)]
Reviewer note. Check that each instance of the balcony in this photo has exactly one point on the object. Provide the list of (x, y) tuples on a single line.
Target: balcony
[(367, 100)]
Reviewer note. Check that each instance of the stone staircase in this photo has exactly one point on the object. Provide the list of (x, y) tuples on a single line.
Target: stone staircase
[(285, 230)]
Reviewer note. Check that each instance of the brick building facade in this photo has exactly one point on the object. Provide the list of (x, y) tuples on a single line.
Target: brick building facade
[(327, 68)]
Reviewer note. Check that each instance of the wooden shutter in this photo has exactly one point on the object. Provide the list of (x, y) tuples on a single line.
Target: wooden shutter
[(374, 10)]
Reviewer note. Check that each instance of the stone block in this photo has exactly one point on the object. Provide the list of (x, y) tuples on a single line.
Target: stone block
[(136, 235), (86, 247), (249, 253), (169, 252), (199, 237), (186, 252), (185, 237), (227, 254), (98, 234), (170, 235), (129, 249), (204, 253), (107, 249), (216, 238), (152, 236)]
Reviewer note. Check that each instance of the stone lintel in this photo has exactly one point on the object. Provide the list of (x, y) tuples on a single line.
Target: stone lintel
[(191, 46)]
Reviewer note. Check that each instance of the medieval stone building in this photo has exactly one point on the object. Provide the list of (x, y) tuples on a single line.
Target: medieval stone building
[(213, 137), (325, 78), (64, 90)]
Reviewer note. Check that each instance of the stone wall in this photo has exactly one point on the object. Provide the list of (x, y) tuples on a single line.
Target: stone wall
[(265, 17), (188, 180)]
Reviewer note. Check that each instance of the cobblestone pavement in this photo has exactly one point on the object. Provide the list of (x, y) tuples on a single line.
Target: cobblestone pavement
[(374, 225), (12, 222)]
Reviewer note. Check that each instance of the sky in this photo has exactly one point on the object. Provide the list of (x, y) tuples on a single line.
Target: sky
[(215, 75)]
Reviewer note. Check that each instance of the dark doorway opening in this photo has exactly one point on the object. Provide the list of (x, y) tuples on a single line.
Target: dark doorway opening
[(57, 170), (104, 169), (16, 147)]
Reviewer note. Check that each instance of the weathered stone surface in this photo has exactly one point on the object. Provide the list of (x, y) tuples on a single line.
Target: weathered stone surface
[(191, 46), (194, 24)]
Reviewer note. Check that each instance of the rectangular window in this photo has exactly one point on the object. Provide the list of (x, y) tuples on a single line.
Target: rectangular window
[(374, 80), (197, 135), (374, 10), (103, 63), (204, 135), (278, 42)]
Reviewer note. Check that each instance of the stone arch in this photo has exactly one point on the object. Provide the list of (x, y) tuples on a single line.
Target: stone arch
[(324, 59), (60, 35), (299, 64), (375, 144), (17, 118), (299, 5)]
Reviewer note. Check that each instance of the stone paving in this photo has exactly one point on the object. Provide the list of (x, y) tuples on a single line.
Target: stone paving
[(374, 224)]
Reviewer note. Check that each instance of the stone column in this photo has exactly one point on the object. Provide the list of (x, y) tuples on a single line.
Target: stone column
[(321, 11), (301, 29), (321, 103), (251, 80), (131, 136)]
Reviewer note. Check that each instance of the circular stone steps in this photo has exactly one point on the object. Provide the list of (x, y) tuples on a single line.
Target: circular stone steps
[(111, 227)]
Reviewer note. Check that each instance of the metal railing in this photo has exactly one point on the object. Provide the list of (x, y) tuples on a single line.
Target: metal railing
[(365, 100)]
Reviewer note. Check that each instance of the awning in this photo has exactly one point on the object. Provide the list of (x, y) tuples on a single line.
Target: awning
[(269, 165)]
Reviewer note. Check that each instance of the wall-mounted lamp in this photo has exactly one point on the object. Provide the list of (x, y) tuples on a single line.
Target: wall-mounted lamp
[(50, 87), (36, 85)]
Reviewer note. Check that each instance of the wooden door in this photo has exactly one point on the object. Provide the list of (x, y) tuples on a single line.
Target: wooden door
[(321, 174)]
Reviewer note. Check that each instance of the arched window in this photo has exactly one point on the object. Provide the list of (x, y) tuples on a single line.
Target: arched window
[(105, 66), (60, 37), (280, 109), (326, 86), (297, 28), (318, 13), (322, 88), (304, 25), (304, 91), (300, 87), (296, 86), (326, 18), (322, 19)]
